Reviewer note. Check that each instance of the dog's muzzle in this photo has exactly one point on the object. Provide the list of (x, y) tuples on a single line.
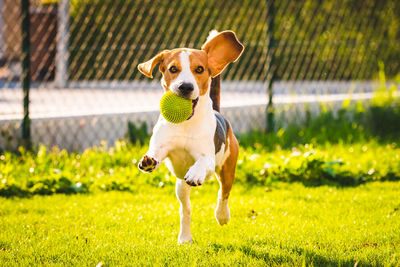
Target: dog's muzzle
[(186, 89)]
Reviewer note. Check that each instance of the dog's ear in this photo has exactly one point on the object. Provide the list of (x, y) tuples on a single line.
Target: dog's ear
[(222, 49), (147, 67)]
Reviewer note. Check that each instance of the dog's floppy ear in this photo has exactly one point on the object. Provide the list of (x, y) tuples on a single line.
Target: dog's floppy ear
[(222, 49), (147, 67)]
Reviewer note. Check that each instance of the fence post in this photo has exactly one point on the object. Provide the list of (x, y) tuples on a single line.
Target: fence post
[(62, 44), (25, 77), (270, 65), (2, 24)]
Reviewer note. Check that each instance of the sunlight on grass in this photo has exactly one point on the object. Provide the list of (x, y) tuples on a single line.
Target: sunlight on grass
[(287, 224), (106, 169), (340, 207)]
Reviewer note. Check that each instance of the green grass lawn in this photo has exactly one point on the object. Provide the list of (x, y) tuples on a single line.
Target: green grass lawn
[(324, 192), (286, 224)]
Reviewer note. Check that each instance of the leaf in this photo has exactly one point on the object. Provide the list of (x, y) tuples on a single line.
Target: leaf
[(339, 162), (330, 171)]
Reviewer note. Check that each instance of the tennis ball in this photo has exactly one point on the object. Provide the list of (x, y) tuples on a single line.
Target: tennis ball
[(175, 108)]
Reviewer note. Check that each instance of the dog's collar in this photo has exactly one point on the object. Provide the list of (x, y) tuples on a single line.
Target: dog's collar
[(194, 104)]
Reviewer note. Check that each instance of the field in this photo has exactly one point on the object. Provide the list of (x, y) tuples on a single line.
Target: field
[(315, 184), (286, 224), (305, 195)]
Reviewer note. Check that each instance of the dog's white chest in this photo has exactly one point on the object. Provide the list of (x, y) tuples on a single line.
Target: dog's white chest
[(185, 149), (179, 161), (189, 140)]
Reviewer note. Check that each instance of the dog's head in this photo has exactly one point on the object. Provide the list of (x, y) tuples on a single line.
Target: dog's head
[(188, 72)]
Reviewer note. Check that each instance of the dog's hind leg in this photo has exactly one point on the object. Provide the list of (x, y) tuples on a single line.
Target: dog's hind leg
[(183, 194), (226, 177)]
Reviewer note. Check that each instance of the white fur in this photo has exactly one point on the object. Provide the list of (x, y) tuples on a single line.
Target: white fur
[(212, 34), (183, 144), (222, 213), (183, 194), (185, 76), (219, 156), (202, 168), (188, 149), (222, 155)]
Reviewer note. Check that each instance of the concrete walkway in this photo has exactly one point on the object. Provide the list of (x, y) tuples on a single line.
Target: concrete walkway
[(73, 102), (82, 116)]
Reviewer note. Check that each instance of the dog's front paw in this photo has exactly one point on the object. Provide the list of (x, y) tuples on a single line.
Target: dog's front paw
[(147, 164), (195, 176)]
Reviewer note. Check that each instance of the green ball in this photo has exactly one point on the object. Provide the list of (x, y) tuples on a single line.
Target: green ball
[(174, 108)]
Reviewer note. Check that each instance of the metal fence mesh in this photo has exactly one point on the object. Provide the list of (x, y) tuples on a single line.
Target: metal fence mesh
[(109, 47), (85, 85)]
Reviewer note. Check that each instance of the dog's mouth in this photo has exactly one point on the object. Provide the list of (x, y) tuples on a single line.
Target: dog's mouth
[(194, 104)]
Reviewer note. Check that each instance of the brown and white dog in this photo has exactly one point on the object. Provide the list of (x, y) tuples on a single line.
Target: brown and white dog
[(204, 144)]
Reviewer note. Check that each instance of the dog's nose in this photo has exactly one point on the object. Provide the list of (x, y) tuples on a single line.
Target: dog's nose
[(186, 88)]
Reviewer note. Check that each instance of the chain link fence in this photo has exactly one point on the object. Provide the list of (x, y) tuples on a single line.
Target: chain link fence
[(84, 85)]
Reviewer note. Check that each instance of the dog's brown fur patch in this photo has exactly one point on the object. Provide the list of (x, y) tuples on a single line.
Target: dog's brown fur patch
[(227, 173)]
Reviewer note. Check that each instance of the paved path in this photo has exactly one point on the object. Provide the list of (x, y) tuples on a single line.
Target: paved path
[(60, 103), (52, 103), (106, 98), (82, 117)]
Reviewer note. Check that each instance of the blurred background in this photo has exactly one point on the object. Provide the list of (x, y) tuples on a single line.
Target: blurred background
[(69, 78)]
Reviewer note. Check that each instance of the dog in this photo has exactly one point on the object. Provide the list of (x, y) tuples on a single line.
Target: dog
[(205, 143)]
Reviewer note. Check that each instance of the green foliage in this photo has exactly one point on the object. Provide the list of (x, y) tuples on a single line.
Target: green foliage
[(137, 134), (383, 117), (98, 168), (282, 225), (335, 165), (101, 168), (7, 137), (344, 127), (331, 148), (108, 39), (378, 120), (336, 40), (320, 40)]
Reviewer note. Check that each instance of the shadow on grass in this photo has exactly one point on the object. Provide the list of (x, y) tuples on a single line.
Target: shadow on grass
[(307, 256), (288, 255)]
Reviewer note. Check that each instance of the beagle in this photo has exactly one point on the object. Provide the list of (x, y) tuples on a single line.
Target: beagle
[(205, 143)]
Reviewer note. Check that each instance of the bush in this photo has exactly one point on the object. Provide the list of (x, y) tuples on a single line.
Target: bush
[(337, 149), (101, 168), (107, 40)]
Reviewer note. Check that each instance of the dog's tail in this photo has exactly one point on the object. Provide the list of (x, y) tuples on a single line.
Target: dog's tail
[(215, 91)]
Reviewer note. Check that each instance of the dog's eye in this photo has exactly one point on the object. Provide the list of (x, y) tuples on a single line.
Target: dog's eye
[(199, 69), (173, 69)]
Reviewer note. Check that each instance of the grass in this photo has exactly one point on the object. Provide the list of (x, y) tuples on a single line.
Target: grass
[(106, 169), (322, 191), (331, 148), (286, 224)]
